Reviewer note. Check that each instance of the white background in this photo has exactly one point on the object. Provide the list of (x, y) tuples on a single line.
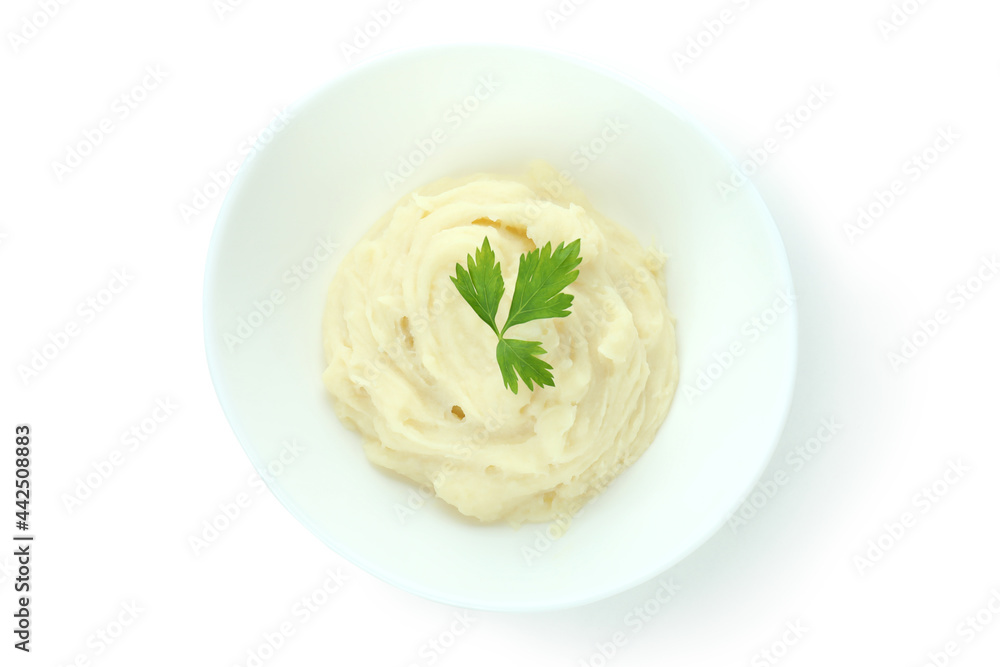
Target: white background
[(796, 561)]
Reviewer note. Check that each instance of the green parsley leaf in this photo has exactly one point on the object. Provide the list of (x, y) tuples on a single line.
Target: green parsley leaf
[(482, 285), (521, 357), (542, 275)]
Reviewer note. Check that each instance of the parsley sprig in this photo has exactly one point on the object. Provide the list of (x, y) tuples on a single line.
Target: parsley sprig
[(542, 275)]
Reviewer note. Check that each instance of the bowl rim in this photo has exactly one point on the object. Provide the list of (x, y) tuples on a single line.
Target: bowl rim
[(782, 401)]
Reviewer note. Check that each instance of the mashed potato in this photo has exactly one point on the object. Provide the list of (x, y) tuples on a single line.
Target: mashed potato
[(413, 369)]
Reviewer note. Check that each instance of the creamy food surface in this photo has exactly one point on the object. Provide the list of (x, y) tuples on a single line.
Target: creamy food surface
[(413, 369)]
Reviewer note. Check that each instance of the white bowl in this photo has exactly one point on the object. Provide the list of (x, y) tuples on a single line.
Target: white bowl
[(324, 177)]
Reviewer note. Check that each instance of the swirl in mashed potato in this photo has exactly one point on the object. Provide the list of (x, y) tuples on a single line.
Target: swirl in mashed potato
[(413, 369)]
